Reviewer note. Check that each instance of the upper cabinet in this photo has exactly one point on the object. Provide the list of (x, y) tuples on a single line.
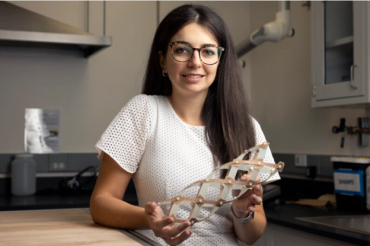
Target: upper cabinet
[(340, 45)]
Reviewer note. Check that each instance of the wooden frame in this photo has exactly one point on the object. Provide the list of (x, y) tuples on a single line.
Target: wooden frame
[(254, 167)]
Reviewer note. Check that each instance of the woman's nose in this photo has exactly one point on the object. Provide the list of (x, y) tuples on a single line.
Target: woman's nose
[(195, 59)]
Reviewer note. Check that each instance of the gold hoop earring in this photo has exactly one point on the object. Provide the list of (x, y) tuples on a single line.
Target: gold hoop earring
[(164, 74)]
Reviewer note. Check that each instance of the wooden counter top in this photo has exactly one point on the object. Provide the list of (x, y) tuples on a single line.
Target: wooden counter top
[(57, 227)]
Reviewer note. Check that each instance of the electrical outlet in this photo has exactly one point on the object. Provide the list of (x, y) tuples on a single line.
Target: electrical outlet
[(58, 163), (58, 166), (300, 160)]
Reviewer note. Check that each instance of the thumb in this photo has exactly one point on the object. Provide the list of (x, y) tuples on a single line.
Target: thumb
[(245, 177), (150, 207)]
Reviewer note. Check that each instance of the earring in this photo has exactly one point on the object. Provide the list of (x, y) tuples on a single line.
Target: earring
[(164, 74)]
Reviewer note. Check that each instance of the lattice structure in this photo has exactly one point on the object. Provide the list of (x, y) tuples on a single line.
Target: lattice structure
[(254, 167)]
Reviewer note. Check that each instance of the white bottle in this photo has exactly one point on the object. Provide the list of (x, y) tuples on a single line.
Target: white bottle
[(23, 174), (368, 188)]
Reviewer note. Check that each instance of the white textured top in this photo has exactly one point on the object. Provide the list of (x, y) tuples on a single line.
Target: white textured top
[(166, 155)]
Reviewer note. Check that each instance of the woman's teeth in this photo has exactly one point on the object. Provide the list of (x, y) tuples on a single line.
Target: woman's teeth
[(193, 76)]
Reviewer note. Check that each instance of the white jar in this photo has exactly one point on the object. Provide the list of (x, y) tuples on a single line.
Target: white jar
[(23, 175)]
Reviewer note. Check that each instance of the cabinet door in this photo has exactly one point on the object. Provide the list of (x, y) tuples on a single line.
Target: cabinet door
[(338, 50)]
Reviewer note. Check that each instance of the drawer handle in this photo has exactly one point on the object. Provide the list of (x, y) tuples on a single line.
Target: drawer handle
[(353, 85)]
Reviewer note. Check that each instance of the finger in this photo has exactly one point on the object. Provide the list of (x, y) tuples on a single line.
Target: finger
[(251, 209), (256, 199), (150, 207), (179, 239), (169, 232), (245, 177), (246, 194), (242, 203), (258, 190), (235, 193), (258, 179), (160, 224)]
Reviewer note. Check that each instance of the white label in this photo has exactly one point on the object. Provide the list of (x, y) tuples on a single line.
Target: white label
[(347, 181), (41, 132)]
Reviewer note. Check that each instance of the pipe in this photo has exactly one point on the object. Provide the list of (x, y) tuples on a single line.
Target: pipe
[(272, 31)]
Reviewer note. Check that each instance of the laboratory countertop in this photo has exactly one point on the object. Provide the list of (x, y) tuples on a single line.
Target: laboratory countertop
[(284, 214), (59, 227)]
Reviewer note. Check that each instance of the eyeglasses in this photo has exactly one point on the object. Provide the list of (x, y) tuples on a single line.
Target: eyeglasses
[(183, 52)]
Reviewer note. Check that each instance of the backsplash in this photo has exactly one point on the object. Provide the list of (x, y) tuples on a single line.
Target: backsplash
[(74, 162), (324, 167), (54, 163), (48, 178)]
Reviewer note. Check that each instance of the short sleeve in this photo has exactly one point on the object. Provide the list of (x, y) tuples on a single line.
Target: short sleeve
[(260, 138), (124, 139)]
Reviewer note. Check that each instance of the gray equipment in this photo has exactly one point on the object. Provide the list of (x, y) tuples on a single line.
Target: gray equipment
[(272, 31)]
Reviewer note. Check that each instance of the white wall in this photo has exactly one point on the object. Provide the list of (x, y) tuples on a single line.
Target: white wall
[(88, 92), (73, 13), (281, 91)]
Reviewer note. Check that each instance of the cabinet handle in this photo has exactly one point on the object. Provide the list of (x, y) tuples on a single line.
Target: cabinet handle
[(353, 85)]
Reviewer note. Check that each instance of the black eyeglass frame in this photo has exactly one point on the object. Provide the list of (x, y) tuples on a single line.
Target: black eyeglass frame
[(198, 49)]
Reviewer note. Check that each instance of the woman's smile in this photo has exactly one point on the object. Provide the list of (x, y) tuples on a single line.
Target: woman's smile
[(193, 78)]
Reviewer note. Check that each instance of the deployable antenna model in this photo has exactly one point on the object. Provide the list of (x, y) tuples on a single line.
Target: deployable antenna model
[(229, 184)]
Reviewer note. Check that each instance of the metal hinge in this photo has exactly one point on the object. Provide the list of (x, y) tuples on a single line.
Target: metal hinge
[(313, 90)]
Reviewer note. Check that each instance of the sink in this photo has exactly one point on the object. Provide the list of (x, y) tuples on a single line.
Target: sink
[(358, 223)]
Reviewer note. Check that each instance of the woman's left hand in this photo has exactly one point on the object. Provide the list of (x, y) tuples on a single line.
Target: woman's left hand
[(247, 202)]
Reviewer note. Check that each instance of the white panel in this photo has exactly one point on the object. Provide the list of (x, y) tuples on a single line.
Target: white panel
[(342, 89)]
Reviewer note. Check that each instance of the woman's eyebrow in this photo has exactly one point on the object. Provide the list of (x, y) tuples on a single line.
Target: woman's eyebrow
[(207, 45), (203, 45)]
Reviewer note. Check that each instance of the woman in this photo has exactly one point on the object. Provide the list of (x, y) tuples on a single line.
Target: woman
[(191, 118)]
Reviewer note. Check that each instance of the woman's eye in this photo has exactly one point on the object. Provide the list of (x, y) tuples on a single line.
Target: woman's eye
[(180, 50), (208, 52)]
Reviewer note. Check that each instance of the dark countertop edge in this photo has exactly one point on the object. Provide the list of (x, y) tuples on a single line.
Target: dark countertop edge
[(37, 202), (41, 207), (321, 230)]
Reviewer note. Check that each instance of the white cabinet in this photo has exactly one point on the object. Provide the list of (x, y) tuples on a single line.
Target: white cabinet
[(340, 46), (275, 235)]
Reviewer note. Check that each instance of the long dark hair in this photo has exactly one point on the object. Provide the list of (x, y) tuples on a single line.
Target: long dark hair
[(226, 113)]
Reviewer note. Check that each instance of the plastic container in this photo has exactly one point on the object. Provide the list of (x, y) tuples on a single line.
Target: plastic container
[(23, 175), (351, 182)]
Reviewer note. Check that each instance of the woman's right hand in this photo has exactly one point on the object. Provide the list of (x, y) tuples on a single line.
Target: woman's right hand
[(162, 227)]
